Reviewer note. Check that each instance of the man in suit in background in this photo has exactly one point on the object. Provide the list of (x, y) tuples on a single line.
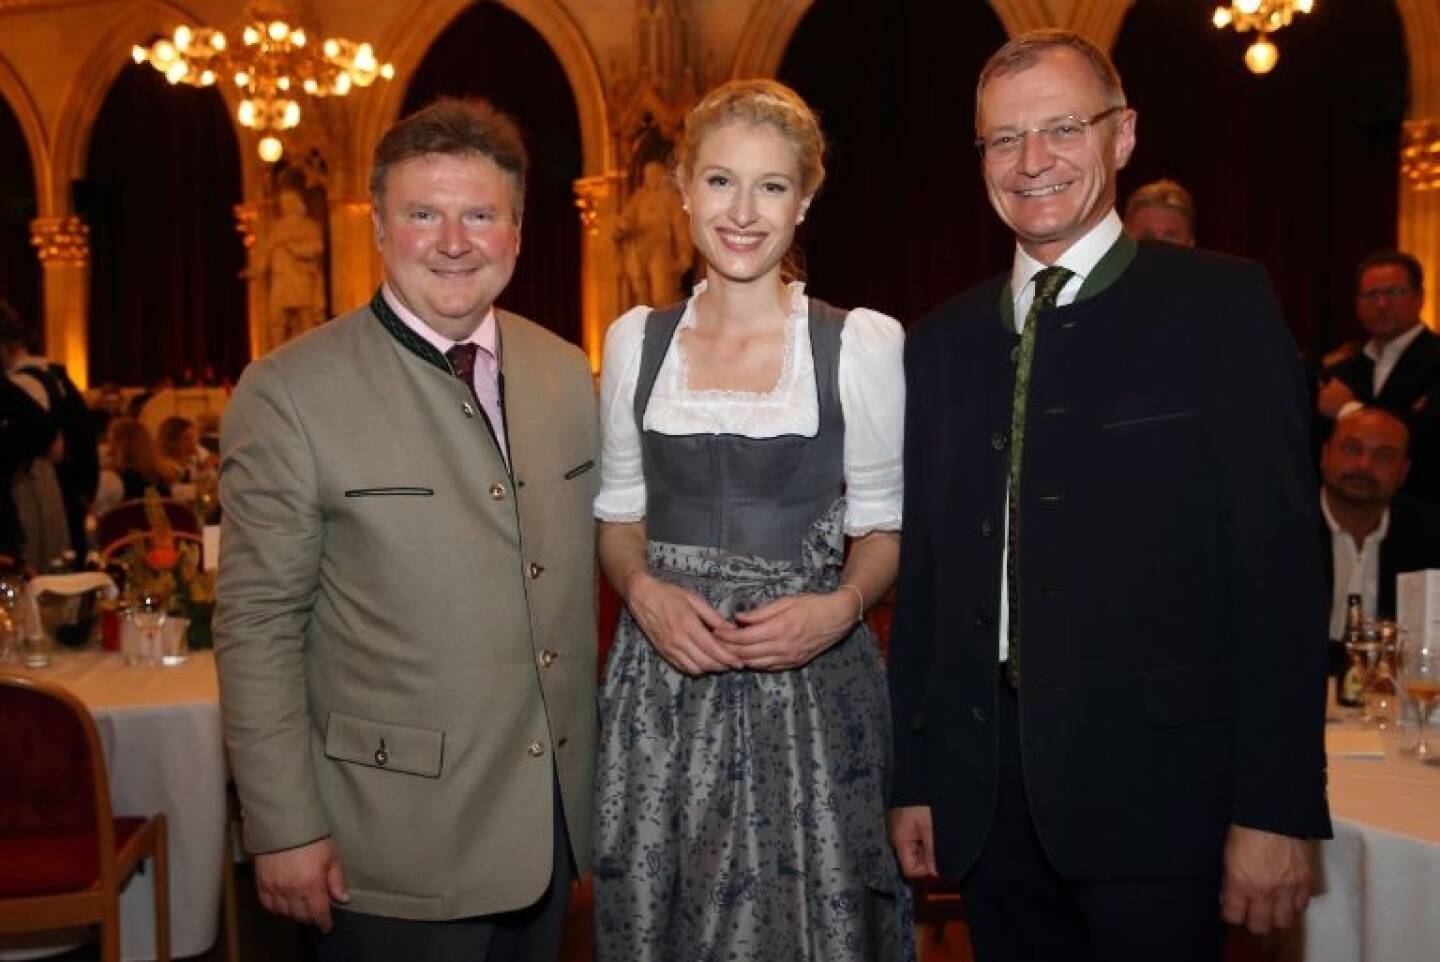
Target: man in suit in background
[(1372, 533), (1108, 657), (406, 622), (1397, 369)]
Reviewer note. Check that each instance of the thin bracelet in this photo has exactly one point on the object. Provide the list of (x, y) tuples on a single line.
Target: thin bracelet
[(860, 614)]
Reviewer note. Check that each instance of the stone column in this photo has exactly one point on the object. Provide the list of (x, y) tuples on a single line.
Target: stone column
[(355, 268), (1419, 229), (599, 262), (63, 246)]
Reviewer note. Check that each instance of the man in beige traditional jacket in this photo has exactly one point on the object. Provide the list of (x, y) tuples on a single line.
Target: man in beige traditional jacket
[(406, 624)]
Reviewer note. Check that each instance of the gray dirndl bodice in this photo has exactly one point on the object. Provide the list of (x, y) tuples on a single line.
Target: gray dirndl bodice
[(745, 496)]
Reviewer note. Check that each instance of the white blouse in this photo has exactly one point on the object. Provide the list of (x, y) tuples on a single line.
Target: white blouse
[(872, 398)]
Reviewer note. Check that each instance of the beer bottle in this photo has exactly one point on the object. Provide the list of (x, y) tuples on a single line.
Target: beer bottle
[(1350, 691)]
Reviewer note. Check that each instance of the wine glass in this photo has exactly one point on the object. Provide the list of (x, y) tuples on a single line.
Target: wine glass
[(1420, 677), (148, 613)]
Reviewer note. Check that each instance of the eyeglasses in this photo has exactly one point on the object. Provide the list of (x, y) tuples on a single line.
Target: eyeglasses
[(1063, 133), (1389, 293)]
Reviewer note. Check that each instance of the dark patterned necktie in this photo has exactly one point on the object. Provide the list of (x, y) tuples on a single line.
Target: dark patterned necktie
[(462, 360), (1048, 284)]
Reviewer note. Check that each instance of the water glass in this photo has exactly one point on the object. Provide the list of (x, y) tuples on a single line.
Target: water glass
[(174, 642), (35, 650), (147, 614)]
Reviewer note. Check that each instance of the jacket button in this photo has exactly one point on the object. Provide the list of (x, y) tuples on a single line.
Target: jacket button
[(978, 714), (987, 528), (382, 755), (547, 658), (535, 749), (536, 570), (497, 491), (468, 408), (983, 622), (998, 440)]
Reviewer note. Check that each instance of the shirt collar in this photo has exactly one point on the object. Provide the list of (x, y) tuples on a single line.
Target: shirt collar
[(1395, 347), (1080, 257), (486, 336)]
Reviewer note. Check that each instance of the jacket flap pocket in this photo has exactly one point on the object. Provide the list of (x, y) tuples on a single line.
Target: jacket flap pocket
[(416, 751), (578, 470), (1186, 696), (1136, 420), (391, 491)]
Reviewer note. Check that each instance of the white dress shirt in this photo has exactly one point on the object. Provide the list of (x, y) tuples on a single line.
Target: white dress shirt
[(1385, 357), (1080, 258), (872, 397), (1356, 569)]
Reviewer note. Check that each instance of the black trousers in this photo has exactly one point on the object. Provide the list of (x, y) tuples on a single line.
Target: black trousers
[(531, 934), (1019, 909)]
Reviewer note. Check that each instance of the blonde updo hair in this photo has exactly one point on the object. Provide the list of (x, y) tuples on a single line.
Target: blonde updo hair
[(757, 102)]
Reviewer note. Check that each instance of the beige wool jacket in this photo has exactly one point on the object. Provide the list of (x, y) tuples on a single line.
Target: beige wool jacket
[(406, 630)]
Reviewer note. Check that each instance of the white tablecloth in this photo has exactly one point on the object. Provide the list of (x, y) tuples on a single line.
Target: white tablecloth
[(1380, 876), (160, 728)]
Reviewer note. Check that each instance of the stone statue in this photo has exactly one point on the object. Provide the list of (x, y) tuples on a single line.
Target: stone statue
[(292, 256), (654, 239)]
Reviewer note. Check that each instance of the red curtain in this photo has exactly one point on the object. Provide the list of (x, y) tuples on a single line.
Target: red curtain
[(20, 282), (490, 52), (902, 221), (1297, 169), (162, 179)]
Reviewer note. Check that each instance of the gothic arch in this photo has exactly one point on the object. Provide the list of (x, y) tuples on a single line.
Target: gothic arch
[(1422, 40), (765, 36), (409, 41), (133, 24), (14, 93)]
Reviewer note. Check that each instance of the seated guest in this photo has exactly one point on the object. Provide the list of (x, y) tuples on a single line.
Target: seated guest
[(1162, 210), (136, 466), (1398, 368), (1375, 534), (185, 457)]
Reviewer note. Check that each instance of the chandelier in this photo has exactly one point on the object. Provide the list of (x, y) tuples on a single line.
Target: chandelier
[(1264, 17), (1420, 154), (277, 62)]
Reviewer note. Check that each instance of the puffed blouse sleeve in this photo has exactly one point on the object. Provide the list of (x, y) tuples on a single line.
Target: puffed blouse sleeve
[(872, 396), (622, 478)]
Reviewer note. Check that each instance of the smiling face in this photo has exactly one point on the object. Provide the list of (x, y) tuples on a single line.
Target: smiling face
[(743, 194), (1051, 198), (449, 237)]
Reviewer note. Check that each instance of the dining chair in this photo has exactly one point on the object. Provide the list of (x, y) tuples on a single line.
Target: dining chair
[(64, 858), (128, 517)]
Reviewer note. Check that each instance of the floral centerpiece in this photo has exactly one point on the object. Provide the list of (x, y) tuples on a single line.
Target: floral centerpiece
[(162, 563)]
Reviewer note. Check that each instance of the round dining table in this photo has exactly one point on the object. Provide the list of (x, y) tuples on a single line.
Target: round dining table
[(1379, 877), (160, 730)]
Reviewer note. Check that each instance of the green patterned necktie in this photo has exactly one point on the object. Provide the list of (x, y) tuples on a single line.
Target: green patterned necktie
[(1048, 284)]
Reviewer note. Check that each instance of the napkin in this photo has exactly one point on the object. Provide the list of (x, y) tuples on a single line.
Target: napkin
[(76, 584), (1354, 743)]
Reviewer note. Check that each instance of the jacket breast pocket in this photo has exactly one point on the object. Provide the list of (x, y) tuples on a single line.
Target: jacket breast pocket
[(1136, 420), (1188, 696), (400, 748)]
